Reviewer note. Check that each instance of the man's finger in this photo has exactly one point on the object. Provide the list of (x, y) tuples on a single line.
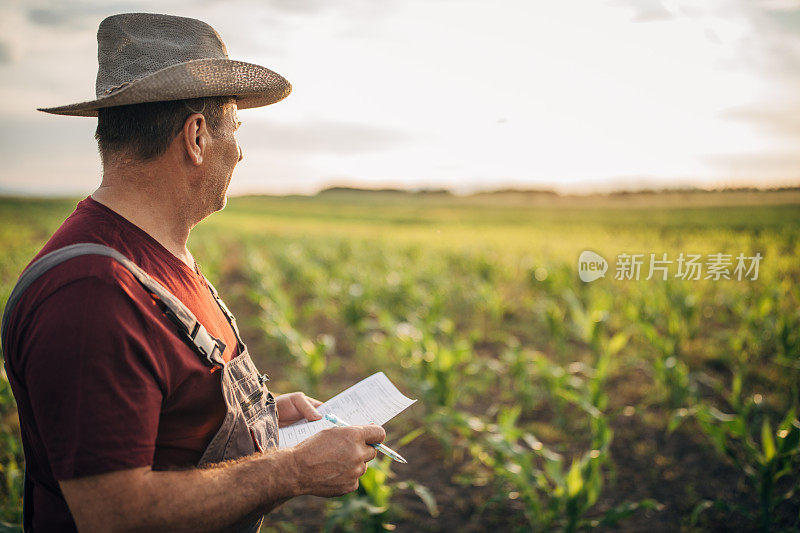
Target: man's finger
[(373, 434), (314, 401), (370, 454), (306, 408)]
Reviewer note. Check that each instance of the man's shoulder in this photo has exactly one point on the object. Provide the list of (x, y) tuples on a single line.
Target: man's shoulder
[(84, 226), (86, 296), (90, 269), (91, 223), (98, 277)]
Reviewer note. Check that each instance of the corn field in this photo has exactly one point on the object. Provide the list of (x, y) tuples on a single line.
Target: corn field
[(545, 403)]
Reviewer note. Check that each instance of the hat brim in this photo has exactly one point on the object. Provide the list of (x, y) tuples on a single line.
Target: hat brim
[(252, 86)]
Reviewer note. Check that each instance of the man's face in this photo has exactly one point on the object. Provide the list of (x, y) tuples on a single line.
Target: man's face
[(225, 154)]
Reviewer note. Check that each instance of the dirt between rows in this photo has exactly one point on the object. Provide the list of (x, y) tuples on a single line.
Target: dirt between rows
[(678, 470), (683, 473)]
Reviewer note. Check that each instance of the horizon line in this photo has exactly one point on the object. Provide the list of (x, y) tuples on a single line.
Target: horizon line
[(335, 189)]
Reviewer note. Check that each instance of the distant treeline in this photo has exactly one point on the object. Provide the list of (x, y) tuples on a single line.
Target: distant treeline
[(330, 190), (548, 192), (693, 190)]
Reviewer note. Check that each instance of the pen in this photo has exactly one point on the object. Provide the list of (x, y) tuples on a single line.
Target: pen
[(333, 419)]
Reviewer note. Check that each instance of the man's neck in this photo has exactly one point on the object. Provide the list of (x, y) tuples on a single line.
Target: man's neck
[(161, 213)]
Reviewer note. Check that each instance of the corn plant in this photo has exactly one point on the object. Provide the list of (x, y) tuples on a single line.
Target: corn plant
[(555, 493), (435, 361), (534, 380), (590, 324), (766, 463), (667, 320), (275, 318)]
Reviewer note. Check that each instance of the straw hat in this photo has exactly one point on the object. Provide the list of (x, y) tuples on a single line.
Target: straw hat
[(147, 57)]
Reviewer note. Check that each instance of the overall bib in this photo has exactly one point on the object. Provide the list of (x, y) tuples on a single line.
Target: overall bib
[(251, 421)]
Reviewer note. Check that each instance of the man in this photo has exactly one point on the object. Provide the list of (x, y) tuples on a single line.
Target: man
[(140, 408)]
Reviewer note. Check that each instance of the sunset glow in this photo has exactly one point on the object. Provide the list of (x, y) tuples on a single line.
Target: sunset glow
[(576, 96)]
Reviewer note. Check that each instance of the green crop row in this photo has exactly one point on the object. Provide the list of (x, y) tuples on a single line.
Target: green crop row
[(537, 392)]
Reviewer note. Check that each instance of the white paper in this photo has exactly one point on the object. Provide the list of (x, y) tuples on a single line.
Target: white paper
[(374, 400)]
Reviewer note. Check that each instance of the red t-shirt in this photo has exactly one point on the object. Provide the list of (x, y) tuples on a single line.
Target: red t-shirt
[(102, 379)]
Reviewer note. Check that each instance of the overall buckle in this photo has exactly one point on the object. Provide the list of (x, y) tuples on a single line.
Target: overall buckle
[(207, 345)]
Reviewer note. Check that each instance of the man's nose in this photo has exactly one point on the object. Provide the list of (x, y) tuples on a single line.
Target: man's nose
[(241, 155)]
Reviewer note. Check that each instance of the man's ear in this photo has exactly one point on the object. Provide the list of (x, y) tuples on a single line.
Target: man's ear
[(195, 138)]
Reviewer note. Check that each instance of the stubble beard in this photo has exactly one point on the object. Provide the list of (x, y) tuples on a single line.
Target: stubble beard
[(213, 196)]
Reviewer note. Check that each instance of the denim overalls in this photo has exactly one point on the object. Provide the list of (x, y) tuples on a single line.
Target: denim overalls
[(251, 421)]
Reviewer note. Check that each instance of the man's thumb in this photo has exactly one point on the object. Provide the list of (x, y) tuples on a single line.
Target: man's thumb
[(373, 434)]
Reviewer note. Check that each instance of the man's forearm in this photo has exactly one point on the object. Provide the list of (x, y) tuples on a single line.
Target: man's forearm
[(208, 499), (220, 497)]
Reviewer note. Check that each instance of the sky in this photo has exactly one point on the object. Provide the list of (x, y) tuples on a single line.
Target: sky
[(576, 96)]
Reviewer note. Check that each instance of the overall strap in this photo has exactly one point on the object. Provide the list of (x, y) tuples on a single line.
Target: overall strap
[(207, 346), (225, 311), (263, 378)]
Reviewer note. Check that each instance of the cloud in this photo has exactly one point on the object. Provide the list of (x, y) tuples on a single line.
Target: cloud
[(768, 165), (87, 15), (61, 15), (6, 53), (23, 136), (304, 7), (321, 136), (48, 154), (779, 5), (778, 121), (54, 17), (646, 10), (772, 44)]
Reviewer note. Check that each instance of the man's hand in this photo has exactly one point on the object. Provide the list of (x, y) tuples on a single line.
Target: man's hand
[(296, 406), (330, 462)]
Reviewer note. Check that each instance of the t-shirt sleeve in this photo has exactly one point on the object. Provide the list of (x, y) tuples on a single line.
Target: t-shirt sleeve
[(92, 379)]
